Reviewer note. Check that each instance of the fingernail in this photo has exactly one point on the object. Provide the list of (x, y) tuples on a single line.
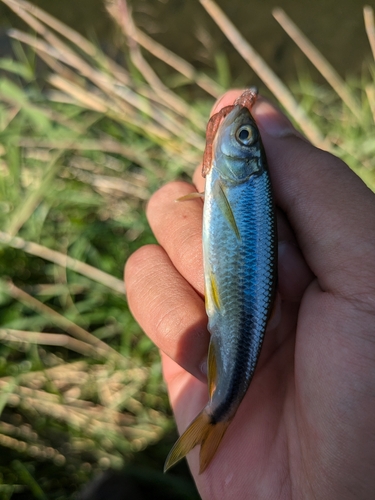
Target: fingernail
[(273, 121)]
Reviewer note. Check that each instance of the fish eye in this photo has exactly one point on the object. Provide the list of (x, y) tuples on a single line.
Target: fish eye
[(246, 135)]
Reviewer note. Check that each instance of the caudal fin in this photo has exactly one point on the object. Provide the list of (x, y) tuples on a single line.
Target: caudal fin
[(201, 431)]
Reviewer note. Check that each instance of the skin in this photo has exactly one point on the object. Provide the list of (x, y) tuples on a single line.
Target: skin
[(306, 427)]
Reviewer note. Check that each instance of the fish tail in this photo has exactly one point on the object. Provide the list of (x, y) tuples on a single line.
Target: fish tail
[(204, 431)]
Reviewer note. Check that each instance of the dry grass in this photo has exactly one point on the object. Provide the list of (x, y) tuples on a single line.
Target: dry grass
[(80, 385)]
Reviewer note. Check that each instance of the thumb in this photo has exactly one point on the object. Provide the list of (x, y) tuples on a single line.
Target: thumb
[(330, 209)]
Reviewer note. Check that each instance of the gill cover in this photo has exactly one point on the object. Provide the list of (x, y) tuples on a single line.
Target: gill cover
[(238, 151)]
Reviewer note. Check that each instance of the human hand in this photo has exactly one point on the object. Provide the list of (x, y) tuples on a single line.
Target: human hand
[(306, 427)]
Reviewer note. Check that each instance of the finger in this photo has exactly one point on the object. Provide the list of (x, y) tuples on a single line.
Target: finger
[(198, 180), (294, 275), (178, 228), (226, 99), (329, 207), (178, 381), (187, 396), (170, 312)]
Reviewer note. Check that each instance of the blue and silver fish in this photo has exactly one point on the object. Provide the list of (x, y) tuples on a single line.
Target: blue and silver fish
[(239, 255)]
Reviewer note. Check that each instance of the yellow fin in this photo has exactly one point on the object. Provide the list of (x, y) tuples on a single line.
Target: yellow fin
[(191, 196), (211, 444), (226, 209), (200, 431), (214, 291), (212, 369), (212, 297), (194, 434)]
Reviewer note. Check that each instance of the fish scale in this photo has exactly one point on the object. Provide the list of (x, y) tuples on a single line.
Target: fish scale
[(238, 327), (239, 257)]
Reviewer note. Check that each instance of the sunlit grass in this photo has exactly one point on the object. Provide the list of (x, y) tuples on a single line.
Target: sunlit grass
[(82, 147), (83, 388)]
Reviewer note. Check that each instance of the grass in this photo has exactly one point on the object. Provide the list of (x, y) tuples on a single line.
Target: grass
[(83, 144)]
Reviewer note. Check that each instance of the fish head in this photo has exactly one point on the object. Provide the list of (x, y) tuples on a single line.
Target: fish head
[(237, 150)]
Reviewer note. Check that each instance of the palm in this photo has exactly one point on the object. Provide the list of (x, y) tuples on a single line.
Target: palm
[(288, 418)]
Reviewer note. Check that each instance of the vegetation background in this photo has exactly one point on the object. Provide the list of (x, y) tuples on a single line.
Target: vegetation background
[(86, 135)]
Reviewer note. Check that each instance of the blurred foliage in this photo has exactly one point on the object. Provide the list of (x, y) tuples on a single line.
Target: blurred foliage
[(59, 408), (67, 185), (81, 150)]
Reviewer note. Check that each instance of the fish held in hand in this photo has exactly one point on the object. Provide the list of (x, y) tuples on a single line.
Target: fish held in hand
[(239, 256)]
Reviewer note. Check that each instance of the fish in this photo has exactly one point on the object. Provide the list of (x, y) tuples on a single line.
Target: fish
[(239, 258)]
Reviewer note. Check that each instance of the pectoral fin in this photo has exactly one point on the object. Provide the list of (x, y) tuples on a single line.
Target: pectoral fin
[(225, 208), (191, 196)]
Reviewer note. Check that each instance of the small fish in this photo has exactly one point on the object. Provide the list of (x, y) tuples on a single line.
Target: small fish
[(239, 255)]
